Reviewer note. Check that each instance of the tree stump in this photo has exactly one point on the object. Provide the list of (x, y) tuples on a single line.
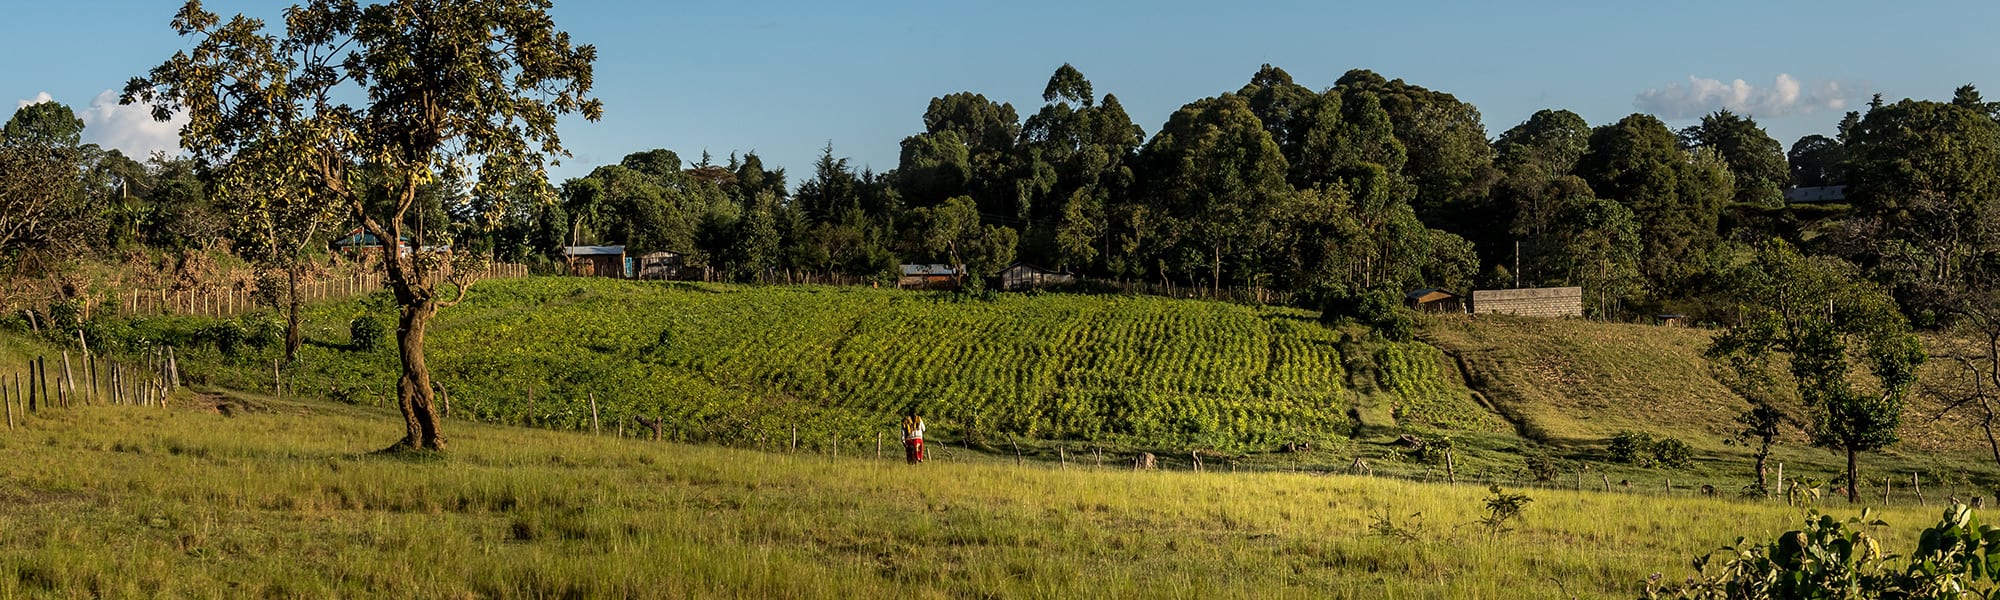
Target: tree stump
[(1145, 462)]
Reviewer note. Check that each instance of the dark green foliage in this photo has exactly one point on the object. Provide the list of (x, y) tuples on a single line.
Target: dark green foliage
[(1543, 466), (1381, 310), (364, 333), (1959, 557), (1632, 448), (1672, 453), (1753, 156)]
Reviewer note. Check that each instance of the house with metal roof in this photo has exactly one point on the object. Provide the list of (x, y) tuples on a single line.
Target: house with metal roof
[(927, 277), (1435, 300), (1023, 276), (597, 261)]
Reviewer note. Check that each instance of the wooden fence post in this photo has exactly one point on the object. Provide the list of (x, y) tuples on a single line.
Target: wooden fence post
[(1017, 450), (1918, 486), (795, 437), (9, 401), (67, 388), (1781, 484), (173, 368), (594, 430), (878, 445), (1450, 470)]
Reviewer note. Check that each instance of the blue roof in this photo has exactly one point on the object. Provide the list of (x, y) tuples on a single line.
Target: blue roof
[(593, 250), (361, 239)]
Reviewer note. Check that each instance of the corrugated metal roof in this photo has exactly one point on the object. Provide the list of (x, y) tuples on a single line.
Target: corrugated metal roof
[(913, 270), (592, 250)]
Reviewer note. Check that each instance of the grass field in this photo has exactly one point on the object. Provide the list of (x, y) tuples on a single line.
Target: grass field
[(285, 500)]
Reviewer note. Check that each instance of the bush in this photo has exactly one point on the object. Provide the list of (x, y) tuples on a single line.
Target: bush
[(226, 336), (1672, 453), (1543, 466), (364, 333), (1381, 310), (1632, 448), (1639, 448), (1828, 558)]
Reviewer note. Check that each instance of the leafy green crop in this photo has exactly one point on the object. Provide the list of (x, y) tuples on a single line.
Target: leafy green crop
[(744, 365)]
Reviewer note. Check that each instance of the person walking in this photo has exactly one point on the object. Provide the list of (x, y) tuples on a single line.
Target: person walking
[(913, 438)]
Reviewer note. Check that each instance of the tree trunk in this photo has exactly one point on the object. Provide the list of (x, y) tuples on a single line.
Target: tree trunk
[(1763, 483), (1853, 478), (413, 390), (292, 337)]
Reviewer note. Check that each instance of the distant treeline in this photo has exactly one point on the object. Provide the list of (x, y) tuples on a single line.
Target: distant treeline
[(1371, 185)]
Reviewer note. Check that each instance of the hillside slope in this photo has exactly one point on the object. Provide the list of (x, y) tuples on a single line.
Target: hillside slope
[(744, 366)]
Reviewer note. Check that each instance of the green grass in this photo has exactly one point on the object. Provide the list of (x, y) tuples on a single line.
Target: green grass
[(286, 500)]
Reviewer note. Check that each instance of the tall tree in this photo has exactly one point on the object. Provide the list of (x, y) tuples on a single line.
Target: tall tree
[(43, 124), (1217, 176), (1817, 160), (1554, 140), (1826, 319), (1753, 156), (1925, 180), (1638, 162), (1450, 160), (441, 84), (42, 203)]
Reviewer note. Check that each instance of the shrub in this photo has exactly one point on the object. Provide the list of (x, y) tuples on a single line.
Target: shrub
[(1828, 558), (1543, 466), (1632, 448), (364, 333), (1434, 449), (226, 336), (1502, 509), (1672, 453), (1639, 448), (1379, 309)]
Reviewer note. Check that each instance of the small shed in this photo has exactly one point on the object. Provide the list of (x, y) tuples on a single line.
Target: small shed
[(927, 277), (1024, 276), (1671, 320), (596, 261), (1435, 300), (666, 265)]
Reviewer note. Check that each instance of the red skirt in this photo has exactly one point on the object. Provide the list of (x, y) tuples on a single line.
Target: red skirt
[(913, 450)]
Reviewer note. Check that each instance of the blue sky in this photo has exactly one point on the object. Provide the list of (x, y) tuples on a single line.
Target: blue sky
[(785, 78)]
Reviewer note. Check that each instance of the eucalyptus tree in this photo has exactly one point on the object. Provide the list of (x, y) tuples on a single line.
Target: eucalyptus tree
[(355, 108)]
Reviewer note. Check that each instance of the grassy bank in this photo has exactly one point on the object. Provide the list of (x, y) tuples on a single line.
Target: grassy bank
[(284, 500)]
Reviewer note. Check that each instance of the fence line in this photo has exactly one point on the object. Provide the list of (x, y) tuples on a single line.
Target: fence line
[(228, 302)]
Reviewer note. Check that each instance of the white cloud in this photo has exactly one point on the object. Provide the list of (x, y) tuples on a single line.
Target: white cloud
[(1784, 97), (131, 129), (38, 99)]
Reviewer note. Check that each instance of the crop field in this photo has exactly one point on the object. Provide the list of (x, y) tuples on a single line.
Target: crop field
[(744, 365)]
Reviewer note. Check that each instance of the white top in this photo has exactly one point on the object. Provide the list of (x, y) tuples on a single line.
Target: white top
[(914, 433)]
